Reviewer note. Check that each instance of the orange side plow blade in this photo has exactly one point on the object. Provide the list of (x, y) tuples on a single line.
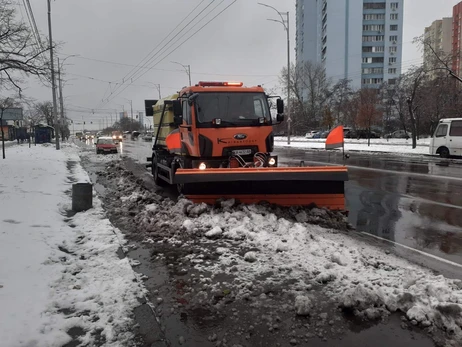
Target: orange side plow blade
[(285, 186)]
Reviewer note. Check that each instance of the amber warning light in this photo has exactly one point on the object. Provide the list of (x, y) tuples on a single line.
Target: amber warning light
[(220, 84)]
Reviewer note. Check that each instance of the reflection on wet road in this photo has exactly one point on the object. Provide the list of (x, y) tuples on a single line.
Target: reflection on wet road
[(413, 201)]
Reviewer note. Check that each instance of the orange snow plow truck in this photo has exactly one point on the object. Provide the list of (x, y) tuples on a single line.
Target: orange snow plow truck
[(214, 140)]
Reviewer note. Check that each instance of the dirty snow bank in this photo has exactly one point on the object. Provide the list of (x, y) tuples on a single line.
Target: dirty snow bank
[(60, 274), (262, 246)]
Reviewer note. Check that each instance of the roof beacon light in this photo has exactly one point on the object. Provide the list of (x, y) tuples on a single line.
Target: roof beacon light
[(220, 84)]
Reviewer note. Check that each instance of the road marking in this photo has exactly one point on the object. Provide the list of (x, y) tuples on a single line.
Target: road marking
[(415, 250), (407, 173)]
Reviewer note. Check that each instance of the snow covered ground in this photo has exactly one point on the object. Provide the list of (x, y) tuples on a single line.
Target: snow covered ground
[(399, 146), (264, 250), (59, 271)]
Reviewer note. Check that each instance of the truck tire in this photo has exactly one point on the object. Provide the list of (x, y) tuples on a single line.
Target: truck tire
[(155, 173)]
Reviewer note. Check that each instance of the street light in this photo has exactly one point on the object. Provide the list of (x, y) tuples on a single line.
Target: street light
[(187, 69), (61, 99), (285, 23), (157, 85)]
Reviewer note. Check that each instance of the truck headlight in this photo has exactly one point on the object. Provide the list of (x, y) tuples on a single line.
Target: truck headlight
[(202, 166), (271, 162)]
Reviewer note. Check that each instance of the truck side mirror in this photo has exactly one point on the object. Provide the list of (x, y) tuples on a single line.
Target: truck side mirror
[(177, 108), (177, 112), (280, 106), (280, 110)]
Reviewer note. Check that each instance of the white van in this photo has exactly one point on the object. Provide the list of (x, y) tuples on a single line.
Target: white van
[(447, 138)]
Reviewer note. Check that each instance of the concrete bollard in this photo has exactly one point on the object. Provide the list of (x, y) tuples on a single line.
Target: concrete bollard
[(82, 196)]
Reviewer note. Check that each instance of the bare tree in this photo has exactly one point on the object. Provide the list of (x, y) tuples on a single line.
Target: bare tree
[(341, 94), (414, 78), (368, 113), (311, 90), (5, 103), (19, 51), (45, 111)]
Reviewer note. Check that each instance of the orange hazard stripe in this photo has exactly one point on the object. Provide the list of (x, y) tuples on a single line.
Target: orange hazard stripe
[(330, 201)]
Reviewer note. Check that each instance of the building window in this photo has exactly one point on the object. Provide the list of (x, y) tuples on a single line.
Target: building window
[(374, 27), (393, 38), (367, 60), (375, 38), (393, 16), (372, 80), (392, 70), (374, 5), (392, 49), (367, 49), (377, 60), (378, 49), (392, 81), (380, 16), (394, 5), (393, 27), (392, 60), (373, 70)]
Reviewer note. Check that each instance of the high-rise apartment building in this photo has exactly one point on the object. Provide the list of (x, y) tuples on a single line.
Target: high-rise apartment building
[(360, 40), (457, 38), (438, 39)]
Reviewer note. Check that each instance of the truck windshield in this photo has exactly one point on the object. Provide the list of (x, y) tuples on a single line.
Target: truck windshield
[(242, 109)]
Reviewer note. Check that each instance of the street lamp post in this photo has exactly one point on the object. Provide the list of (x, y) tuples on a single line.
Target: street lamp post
[(285, 23), (187, 69)]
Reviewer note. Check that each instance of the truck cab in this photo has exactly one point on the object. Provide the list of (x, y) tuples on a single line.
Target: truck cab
[(223, 119)]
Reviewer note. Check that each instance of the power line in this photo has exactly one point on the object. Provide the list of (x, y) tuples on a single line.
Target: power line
[(183, 42), (171, 42), (148, 57)]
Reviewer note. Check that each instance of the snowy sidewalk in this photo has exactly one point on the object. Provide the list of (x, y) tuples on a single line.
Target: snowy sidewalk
[(398, 146), (58, 271)]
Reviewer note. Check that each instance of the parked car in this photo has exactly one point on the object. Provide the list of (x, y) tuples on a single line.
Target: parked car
[(399, 134), (105, 145), (364, 134), (310, 134), (324, 134)]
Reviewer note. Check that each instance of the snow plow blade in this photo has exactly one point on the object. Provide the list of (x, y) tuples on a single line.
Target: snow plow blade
[(284, 186)]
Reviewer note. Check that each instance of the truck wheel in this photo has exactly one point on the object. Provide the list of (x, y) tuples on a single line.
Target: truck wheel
[(155, 173), (444, 152)]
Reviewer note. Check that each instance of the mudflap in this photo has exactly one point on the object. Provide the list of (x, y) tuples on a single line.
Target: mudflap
[(285, 186)]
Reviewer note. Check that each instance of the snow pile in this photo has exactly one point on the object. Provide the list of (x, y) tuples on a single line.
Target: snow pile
[(60, 274), (290, 252)]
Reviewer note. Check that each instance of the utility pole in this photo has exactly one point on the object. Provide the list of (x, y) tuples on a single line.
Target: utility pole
[(158, 89), (53, 83), (285, 23), (131, 111), (187, 69), (61, 101)]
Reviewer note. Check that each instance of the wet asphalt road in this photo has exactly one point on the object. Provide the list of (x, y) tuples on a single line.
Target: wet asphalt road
[(413, 201)]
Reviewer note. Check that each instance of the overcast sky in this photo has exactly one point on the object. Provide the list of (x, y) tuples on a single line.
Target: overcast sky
[(239, 44)]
